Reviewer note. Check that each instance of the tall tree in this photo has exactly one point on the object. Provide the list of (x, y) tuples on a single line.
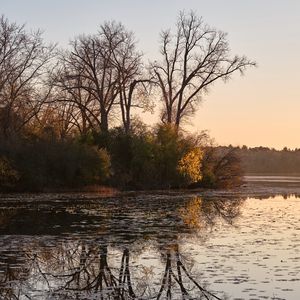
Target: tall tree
[(133, 84), (105, 65), (68, 92), (24, 59), (193, 58)]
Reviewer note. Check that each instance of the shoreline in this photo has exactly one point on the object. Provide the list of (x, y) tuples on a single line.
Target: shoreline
[(248, 190)]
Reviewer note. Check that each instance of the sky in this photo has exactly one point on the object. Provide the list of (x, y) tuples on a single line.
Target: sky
[(261, 108)]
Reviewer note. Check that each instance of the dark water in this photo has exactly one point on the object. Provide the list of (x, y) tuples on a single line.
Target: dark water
[(225, 246)]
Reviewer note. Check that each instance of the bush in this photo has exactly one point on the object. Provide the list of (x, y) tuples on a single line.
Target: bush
[(221, 168), (161, 158), (45, 164), (189, 166), (168, 151), (8, 175), (132, 157)]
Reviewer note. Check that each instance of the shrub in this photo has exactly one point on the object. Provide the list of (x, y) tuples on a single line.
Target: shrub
[(45, 164), (143, 159), (189, 166), (168, 151), (159, 158), (221, 168), (8, 175)]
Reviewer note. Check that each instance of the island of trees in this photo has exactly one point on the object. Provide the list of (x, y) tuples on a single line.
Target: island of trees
[(73, 117)]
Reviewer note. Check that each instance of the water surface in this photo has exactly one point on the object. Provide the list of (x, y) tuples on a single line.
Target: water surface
[(150, 246)]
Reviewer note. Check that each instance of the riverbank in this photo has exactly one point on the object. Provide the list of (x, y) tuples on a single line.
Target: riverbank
[(248, 190)]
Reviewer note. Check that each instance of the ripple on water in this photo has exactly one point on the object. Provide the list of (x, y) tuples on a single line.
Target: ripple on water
[(256, 257)]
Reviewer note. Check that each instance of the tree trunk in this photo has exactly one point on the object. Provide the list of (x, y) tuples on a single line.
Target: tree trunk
[(104, 122)]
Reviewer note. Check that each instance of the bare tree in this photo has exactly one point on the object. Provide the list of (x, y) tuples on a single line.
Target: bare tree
[(133, 85), (23, 62), (193, 58), (134, 94), (102, 64), (59, 119), (68, 92)]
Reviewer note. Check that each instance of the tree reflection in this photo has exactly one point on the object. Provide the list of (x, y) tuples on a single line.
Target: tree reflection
[(14, 268), (175, 271), (94, 277), (98, 264), (200, 214)]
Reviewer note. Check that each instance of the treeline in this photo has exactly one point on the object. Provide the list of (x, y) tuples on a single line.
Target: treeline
[(146, 158), (69, 117), (266, 160)]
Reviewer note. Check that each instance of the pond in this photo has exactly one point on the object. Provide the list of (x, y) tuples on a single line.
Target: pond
[(243, 244)]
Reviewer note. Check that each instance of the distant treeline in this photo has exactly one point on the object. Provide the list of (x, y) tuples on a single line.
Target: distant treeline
[(266, 160)]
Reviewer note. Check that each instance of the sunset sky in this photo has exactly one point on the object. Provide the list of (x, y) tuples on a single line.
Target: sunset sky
[(261, 108)]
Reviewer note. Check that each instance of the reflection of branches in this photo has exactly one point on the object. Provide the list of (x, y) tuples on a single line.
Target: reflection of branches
[(12, 270), (80, 267), (177, 275), (124, 275), (100, 278), (202, 213), (86, 270), (41, 272)]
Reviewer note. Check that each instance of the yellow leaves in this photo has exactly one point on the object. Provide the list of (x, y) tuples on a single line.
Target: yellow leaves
[(191, 213), (189, 165)]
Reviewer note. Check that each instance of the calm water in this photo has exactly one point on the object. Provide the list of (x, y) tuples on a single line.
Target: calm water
[(211, 246)]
